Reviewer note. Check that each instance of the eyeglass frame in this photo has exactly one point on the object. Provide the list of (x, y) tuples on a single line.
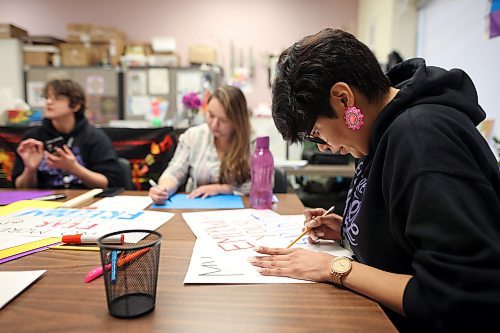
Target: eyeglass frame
[(308, 137)]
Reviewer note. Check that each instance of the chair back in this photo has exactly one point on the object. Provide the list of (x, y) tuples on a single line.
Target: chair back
[(126, 173), (280, 181)]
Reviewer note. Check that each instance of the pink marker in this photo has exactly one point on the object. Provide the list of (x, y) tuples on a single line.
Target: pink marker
[(95, 273)]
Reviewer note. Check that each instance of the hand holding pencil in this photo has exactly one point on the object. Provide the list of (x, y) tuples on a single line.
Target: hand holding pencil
[(320, 223)]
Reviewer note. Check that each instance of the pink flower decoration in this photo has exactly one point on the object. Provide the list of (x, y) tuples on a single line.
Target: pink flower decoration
[(191, 100)]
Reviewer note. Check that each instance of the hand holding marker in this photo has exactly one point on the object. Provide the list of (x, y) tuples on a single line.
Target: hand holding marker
[(154, 184)]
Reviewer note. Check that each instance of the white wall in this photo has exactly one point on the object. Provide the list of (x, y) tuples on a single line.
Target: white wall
[(388, 25), (452, 34), (11, 73)]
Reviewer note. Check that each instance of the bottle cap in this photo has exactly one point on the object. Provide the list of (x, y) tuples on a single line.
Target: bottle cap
[(262, 142)]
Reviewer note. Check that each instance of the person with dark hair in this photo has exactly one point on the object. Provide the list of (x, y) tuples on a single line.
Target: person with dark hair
[(422, 215), (212, 157), (66, 151)]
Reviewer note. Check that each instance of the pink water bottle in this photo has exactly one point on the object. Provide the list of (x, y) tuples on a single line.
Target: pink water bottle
[(262, 168)]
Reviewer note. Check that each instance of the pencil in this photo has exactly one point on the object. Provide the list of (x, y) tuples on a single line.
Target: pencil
[(307, 229)]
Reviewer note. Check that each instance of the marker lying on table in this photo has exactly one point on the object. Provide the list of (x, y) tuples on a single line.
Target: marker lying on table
[(307, 229), (52, 197), (154, 184), (84, 239)]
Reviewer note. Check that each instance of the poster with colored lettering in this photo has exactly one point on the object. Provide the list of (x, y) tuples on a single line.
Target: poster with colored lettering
[(225, 241), (56, 222)]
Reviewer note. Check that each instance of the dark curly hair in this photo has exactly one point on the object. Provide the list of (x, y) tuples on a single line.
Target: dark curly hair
[(309, 68), (70, 89)]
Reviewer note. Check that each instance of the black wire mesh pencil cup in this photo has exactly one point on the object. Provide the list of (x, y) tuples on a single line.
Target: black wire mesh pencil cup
[(131, 272)]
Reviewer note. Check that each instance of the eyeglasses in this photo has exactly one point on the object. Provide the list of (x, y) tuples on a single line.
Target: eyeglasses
[(311, 138)]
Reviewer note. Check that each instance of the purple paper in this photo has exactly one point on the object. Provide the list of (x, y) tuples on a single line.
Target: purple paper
[(7, 197), (22, 254), (495, 23)]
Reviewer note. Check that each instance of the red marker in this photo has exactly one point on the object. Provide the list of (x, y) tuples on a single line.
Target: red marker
[(84, 239)]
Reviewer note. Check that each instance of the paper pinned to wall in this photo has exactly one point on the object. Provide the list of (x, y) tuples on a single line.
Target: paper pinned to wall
[(138, 105), (158, 81), (34, 91), (137, 83)]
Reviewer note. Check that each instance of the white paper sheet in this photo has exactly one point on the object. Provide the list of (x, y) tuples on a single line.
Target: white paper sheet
[(226, 240), (8, 241), (123, 202), (13, 283)]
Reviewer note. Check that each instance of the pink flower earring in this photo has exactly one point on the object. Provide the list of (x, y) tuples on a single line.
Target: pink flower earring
[(353, 118)]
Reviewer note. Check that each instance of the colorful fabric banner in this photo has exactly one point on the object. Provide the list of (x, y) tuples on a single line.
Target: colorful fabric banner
[(149, 151)]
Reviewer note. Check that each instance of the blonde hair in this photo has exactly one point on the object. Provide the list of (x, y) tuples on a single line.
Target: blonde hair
[(234, 167)]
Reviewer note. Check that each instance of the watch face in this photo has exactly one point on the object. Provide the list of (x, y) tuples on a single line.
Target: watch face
[(341, 265)]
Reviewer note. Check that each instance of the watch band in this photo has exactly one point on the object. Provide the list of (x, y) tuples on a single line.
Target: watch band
[(337, 275)]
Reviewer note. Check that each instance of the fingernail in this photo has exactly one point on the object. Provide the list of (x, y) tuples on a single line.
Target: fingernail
[(308, 224), (257, 249), (252, 259)]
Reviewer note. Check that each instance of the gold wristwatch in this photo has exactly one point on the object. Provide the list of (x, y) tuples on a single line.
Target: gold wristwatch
[(340, 267)]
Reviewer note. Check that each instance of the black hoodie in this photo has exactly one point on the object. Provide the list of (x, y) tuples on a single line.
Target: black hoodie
[(91, 147), (426, 202)]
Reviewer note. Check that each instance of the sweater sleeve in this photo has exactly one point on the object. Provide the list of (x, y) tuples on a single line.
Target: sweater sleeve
[(455, 230)]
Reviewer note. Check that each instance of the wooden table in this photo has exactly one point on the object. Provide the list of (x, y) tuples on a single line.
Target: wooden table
[(61, 302)]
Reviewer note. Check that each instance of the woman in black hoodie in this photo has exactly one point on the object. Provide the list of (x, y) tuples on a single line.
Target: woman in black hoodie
[(66, 151), (423, 212)]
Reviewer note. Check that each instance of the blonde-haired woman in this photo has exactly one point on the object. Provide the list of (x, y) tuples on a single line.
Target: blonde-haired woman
[(212, 157)]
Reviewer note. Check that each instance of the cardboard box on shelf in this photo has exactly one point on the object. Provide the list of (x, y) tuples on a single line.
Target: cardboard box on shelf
[(39, 55), (99, 54), (137, 48), (74, 54), (11, 31), (103, 34), (78, 32), (37, 58), (164, 60), (202, 54), (163, 44)]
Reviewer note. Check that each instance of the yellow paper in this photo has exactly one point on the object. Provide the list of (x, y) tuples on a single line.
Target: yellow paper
[(28, 246), (24, 204)]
